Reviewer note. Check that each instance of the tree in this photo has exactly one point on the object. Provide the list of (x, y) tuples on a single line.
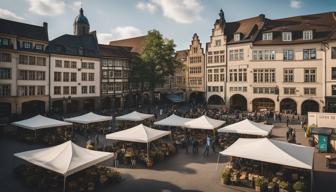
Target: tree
[(158, 59)]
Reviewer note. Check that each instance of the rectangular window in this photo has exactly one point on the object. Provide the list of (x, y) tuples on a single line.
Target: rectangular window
[(288, 55), (286, 36), (288, 75), (57, 76), (5, 57), (289, 91), (39, 47), (92, 89), (66, 64), (73, 77), (333, 90), (310, 75), (263, 55), (5, 90), (57, 90), (91, 76), (237, 37), (217, 43), (40, 90), (73, 90), (309, 91), (333, 52), (27, 45), (5, 73), (307, 35), (66, 76), (41, 61), (309, 54), (209, 59), (84, 76), (333, 73), (267, 36), (73, 64), (84, 89), (58, 63), (66, 90), (264, 75)]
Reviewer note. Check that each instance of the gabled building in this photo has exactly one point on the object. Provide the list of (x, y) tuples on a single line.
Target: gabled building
[(24, 68), (75, 70)]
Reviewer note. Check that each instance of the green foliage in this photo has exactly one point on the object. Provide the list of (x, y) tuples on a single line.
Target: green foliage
[(308, 130), (283, 185), (157, 58)]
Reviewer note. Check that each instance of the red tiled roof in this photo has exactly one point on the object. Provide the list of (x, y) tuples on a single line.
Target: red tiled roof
[(136, 43)]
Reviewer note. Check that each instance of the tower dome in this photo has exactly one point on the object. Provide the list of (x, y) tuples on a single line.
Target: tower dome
[(81, 24)]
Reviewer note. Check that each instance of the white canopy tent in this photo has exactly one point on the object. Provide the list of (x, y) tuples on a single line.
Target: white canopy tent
[(203, 122), (40, 122), (89, 118), (247, 127), (139, 134), (173, 120), (134, 116), (272, 151), (66, 158)]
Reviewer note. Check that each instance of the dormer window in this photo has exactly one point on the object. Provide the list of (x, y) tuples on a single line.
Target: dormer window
[(267, 36), (237, 37), (286, 36), (27, 45), (218, 43), (307, 35), (39, 47)]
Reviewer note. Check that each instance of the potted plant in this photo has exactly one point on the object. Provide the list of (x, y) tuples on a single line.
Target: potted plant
[(283, 185), (225, 177), (257, 184), (272, 186), (149, 162), (264, 185), (298, 186)]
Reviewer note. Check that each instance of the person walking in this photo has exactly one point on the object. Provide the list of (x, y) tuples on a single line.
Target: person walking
[(207, 146), (186, 142)]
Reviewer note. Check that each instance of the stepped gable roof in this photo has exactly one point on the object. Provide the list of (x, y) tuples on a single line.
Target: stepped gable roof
[(136, 43), (115, 51), (323, 26), (77, 45), (24, 30)]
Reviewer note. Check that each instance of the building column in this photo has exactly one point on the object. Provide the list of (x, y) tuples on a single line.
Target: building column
[(249, 105), (277, 106), (298, 107)]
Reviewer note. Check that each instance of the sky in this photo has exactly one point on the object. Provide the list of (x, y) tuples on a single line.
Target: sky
[(175, 19)]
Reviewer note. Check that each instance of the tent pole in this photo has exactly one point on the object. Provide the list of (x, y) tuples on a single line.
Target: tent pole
[(217, 161), (64, 183), (148, 150)]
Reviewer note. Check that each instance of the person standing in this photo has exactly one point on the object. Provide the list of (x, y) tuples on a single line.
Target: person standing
[(207, 146), (186, 141)]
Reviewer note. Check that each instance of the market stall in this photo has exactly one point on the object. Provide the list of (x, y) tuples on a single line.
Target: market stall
[(91, 118), (269, 151), (203, 122), (173, 120), (248, 127), (40, 122), (65, 159), (139, 134), (133, 119)]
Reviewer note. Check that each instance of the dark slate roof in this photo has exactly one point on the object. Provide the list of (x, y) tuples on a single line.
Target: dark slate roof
[(323, 26), (72, 44), (24, 30), (136, 43), (248, 28), (115, 51)]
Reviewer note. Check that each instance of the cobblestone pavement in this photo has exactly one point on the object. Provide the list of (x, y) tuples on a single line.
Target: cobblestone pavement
[(182, 172)]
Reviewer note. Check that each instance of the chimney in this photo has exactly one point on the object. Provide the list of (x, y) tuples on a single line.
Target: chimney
[(45, 26)]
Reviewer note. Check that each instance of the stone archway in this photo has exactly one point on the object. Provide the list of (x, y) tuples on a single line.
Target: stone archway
[(5, 109), (196, 97), (238, 102), (263, 104), (215, 100), (309, 106), (33, 107), (288, 106)]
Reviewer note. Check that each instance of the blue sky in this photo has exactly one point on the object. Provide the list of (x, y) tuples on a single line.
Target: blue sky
[(176, 19)]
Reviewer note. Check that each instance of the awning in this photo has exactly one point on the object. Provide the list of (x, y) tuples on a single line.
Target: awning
[(134, 116), (66, 158), (40, 122), (173, 120), (139, 133), (247, 127), (89, 118), (204, 122), (272, 151)]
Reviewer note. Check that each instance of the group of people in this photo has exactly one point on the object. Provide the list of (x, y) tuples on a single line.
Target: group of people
[(194, 144)]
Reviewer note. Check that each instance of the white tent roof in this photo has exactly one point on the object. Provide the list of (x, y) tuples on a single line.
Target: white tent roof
[(134, 116), (204, 122), (247, 127), (173, 120), (89, 118), (272, 151), (66, 158), (139, 133), (40, 122)]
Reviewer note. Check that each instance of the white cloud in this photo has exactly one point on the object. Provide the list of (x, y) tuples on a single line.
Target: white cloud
[(121, 32), (75, 6), (6, 14), (296, 4), (181, 11), (46, 7), (149, 7)]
